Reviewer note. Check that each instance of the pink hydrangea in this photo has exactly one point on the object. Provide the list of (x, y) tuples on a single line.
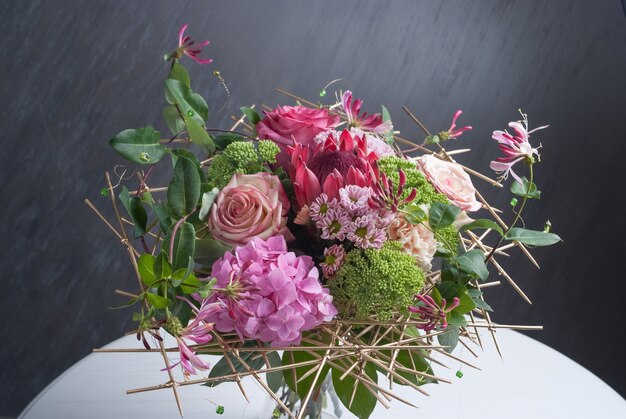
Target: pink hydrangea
[(281, 295)]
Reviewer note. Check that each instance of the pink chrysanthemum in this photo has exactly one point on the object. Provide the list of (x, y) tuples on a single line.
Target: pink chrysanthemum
[(364, 232), (333, 259), (354, 197), (321, 206), (334, 224), (285, 296)]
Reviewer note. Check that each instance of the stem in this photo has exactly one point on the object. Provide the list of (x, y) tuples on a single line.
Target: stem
[(517, 217)]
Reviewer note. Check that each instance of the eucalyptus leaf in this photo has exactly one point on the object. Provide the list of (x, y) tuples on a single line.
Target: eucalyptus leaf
[(141, 145), (532, 237), (387, 118), (442, 215)]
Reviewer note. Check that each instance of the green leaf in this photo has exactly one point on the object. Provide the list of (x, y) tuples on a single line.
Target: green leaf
[(449, 338), (136, 211), (161, 268), (364, 402), (173, 120), (222, 367), (191, 284), (145, 266), (524, 191), (252, 115), (466, 304), (207, 201), (223, 140), (413, 360), (274, 379), (473, 262), (190, 104), (184, 189), (141, 145), (198, 135), (162, 213), (455, 319), (180, 73), (158, 301), (184, 245), (301, 388), (475, 294), (415, 214), (387, 118), (432, 139), (483, 224), (442, 215), (532, 237), (209, 250)]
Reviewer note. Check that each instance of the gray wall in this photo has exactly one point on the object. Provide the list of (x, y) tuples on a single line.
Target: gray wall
[(75, 73)]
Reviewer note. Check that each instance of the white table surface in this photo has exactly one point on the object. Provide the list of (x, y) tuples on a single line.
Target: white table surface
[(532, 382)]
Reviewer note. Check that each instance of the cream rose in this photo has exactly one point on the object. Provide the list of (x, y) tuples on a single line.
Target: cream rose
[(250, 206), (451, 180), (416, 239)]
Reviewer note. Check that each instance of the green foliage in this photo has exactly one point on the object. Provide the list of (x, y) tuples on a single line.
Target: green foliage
[(525, 190), (473, 263), (442, 215), (198, 135), (208, 250), (293, 376), (183, 191), (484, 224), (223, 367), (376, 281), (426, 193), (361, 402), (136, 211), (207, 200), (252, 115), (449, 338), (387, 118), (183, 244), (532, 237), (141, 145)]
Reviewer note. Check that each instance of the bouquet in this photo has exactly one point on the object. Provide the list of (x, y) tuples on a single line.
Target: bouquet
[(311, 246)]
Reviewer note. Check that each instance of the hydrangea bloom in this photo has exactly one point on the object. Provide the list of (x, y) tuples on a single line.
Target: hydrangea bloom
[(281, 297)]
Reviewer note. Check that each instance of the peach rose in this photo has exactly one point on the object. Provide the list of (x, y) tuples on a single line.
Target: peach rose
[(416, 239), (250, 206), (451, 180)]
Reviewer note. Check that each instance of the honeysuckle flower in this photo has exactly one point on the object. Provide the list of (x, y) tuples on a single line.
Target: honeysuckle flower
[(333, 259), (189, 360), (356, 119), (516, 147), (453, 131), (199, 329), (189, 47), (432, 313)]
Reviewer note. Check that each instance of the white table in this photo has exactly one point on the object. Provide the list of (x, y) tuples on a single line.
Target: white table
[(533, 382)]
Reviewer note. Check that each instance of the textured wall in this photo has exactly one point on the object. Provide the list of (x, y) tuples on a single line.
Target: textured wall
[(75, 73)]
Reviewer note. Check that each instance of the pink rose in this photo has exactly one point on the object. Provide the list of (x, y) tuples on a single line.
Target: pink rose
[(451, 180), (416, 239), (288, 124), (250, 206)]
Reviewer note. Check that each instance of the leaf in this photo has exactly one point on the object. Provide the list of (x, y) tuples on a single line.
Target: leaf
[(162, 213), (473, 262), (432, 139), (455, 319), (198, 135), (223, 140), (145, 266), (209, 250), (484, 224), (158, 301), (387, 118), (183, 191), (207, 201), (136, 211), (173, 120), (532, 237), (363, 402), (180, 73), (302, 387), (475, 294), (190, 104), (274, 379), (222, 367), (161, 267), (413, 360), (415, 214), (442, 215), (466, 304), (449, 338), (252, 115), (184, 245), (523, 191), (141, 145)]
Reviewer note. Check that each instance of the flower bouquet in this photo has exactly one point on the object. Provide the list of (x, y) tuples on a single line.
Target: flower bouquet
[(313, 247)]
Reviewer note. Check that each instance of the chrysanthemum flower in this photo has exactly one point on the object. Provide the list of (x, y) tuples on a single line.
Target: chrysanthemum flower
[(516, 147), (333, 259)]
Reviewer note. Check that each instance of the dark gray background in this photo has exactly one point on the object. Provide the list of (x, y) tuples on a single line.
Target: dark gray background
[(75, 73)]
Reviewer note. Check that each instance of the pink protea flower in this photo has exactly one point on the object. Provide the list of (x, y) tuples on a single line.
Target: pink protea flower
[(516, 147), (284, 298), (333, 259), (189, 47), (453, 131), (356, 119), (329, 166), (432, 313), (375, 144)]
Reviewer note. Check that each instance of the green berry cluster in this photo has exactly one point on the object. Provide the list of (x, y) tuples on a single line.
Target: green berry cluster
[(426, 193), (376, 281), (240, 157)]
